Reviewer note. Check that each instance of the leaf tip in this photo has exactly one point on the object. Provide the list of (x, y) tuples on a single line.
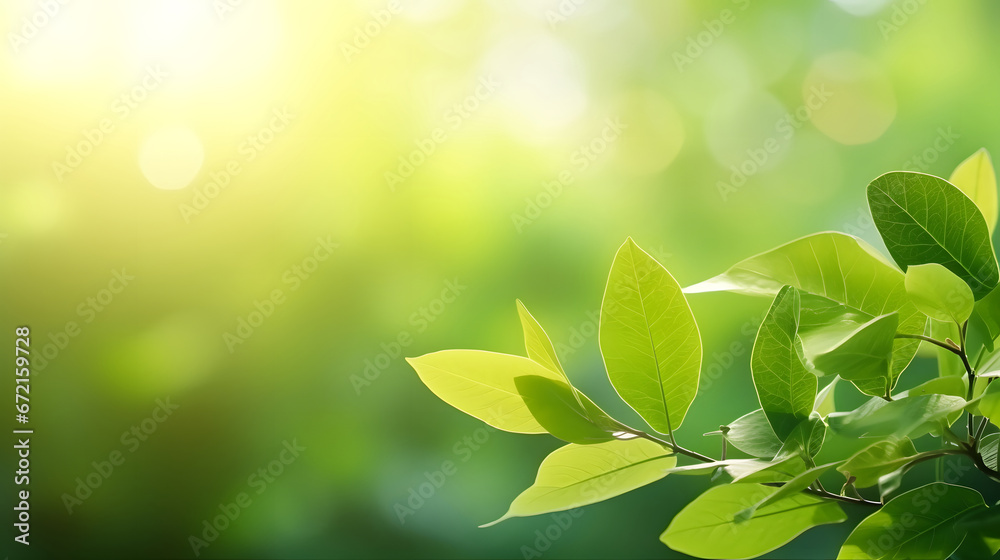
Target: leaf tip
[(492, 523)]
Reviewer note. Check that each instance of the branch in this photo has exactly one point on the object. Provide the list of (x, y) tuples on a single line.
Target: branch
[(954, 349), (672, 446)]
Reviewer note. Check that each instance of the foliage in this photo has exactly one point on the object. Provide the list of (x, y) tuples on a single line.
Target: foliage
[(840, 311)]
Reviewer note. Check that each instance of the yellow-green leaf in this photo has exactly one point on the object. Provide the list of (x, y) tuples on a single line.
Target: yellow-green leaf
[(578, 475), (482, 384), (537, 343), (976, 178), (707, 528), (649, 339)]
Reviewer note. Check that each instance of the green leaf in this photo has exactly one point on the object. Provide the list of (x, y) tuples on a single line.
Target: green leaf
[(785, 388), (940, 294), (924, 219), (988, 449), (986, 521), (576, 421), (909, 416), (917, 524), (989, 405), (986, 318), (806, 439), (956, 386), (837, 266), (577, 475), (752, 434), (649, 339), (878, 460), (825, 400), (706, 527), (975, 177), (790, 488), (537, 343), (779, 470), (977, 546), (862, 356), (564, 412), (481, 384)]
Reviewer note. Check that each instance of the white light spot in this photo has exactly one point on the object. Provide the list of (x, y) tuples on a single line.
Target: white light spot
[(171, 158)]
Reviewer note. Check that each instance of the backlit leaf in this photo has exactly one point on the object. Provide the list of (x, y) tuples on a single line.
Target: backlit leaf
[(707, 528), (925, 219), (785, 388), (578, 475), (837, 266), (976, 178), (649, 339), (481, 384), (919, 524)]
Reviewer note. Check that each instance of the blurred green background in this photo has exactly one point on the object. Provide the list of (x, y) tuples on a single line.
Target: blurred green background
[(297, 187)]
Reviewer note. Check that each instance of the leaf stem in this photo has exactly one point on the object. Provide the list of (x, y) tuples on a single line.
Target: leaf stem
[(848, 499), (672, 446), (934, 341)]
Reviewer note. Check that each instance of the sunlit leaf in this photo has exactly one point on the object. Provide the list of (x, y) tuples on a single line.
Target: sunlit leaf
[(989, 405), (564, 412), (837, 266), (975, 177), (806, 438), (986, 318), (790, 488), (938, 293), (910, 416), (481, 384), (863, 355), (752, 434), (649, 339), (537, 343), (825, 402), (956, 386), (707, 528), (785, 388), (924, 219), (919, 524), (578, 475), (878, 460)]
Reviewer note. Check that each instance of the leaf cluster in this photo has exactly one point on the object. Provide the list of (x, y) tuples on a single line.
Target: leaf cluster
[(841, 314)]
